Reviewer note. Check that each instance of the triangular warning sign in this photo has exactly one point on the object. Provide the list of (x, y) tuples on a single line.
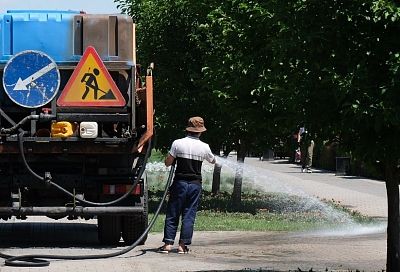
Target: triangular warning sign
[(91, 85)]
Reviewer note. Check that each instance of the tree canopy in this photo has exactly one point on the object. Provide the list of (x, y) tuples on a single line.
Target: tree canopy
[(257, 69)]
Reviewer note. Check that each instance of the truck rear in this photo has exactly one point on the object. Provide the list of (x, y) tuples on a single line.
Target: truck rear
[(76, 120)]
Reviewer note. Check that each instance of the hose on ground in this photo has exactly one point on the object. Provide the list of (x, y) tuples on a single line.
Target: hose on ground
[(39, 260)]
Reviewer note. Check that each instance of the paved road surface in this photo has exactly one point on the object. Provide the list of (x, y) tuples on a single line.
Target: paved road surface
[(355, 248), (364, 195)]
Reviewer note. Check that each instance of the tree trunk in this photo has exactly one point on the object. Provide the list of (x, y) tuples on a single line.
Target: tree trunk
[(237, 186), (216, 182), (393, 237)]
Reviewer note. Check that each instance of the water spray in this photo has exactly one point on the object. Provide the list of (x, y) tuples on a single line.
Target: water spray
[(269, 181)]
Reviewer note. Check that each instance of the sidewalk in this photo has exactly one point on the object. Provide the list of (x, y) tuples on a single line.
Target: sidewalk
[(356, 193)]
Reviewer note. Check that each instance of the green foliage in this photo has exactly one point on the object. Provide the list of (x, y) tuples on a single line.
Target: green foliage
[(157, 156), (256, 70), (204, 53), (164, 37), (157, 175)]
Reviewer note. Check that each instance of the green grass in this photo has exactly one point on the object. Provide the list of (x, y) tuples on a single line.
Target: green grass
[(259, 211), (219, 221)]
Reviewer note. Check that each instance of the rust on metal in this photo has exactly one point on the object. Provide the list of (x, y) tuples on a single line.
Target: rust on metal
[(149, 114)]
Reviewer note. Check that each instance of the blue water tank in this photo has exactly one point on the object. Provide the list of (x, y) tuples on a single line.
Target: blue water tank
[(48, 31)]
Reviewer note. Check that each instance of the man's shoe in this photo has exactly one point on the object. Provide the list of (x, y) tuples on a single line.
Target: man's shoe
[(163, 250), (303, 170), (309, 171), (184, 250)]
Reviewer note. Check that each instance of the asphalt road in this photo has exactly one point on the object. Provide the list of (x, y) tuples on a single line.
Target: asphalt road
[(349, 247)]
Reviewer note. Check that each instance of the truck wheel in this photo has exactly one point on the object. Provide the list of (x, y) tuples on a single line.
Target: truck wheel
[(109, 229), (133, 226)]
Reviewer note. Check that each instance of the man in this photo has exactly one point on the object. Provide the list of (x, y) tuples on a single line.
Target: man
[(185, 191), (306, 149)]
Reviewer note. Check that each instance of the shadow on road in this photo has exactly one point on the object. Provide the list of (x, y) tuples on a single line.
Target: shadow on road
[(48, 234)]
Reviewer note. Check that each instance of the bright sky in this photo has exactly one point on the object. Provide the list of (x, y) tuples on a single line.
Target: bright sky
[(90, 6)]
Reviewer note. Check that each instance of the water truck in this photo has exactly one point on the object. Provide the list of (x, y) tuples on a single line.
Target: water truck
[(76, 120)]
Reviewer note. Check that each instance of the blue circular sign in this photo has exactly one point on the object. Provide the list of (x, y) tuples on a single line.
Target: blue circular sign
[(31, 79)]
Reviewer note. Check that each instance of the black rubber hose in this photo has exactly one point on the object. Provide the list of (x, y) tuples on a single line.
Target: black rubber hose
[(38, 260), (39, 117), (48, 180), (19, 124), (8, 118)]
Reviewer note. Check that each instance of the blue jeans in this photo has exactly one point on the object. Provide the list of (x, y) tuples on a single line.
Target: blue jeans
[(184, 199)]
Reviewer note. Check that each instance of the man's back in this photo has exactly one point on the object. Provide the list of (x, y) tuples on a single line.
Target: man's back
[(190, 152)]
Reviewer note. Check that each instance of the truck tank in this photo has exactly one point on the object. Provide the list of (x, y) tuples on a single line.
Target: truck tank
[(75, 114)]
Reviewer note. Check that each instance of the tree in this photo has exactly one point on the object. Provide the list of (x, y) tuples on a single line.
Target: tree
[(372, 112), (347, 61), (208, 60), (236, 58), (165, 30)]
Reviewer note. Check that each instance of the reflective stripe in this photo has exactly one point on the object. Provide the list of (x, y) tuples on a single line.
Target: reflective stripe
[(112, 189)]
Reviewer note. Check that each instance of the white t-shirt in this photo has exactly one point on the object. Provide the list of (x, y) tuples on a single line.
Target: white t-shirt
[(190, 152)]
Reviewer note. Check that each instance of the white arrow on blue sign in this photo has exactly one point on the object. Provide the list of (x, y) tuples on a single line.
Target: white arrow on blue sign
[(31, 79)]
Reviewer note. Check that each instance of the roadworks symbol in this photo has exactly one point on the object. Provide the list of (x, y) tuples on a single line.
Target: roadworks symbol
[(91, 85)]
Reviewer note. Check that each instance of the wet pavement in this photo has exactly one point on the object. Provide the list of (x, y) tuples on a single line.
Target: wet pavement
[(366, 196)]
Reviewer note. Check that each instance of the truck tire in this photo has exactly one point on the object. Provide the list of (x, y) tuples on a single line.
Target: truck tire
[(109, 229), (133, 226)]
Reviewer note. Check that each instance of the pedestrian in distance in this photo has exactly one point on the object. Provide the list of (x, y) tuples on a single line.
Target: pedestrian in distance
[(184, 194), (306, 149)]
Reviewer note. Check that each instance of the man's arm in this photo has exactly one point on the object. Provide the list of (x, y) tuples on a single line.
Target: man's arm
[(169, 160), (210, 156), (214, 160)]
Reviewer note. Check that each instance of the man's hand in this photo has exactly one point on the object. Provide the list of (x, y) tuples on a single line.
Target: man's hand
[(169, 160)]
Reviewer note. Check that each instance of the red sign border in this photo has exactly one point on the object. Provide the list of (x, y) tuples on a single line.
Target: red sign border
[(119, 102)]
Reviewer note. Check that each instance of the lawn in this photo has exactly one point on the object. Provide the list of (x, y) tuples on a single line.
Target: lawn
[(259, 210), (263, 212)]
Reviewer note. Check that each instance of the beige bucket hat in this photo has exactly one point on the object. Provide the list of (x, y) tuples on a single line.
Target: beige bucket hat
[(196, 124)]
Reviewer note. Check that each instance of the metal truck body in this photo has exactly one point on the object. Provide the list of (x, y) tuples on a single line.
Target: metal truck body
[(73, 111)]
